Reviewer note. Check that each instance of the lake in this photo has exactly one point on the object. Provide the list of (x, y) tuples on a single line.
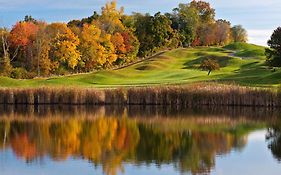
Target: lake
[(138, 140)]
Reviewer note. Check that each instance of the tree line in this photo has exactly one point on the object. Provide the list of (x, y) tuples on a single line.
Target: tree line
[(107, 39)]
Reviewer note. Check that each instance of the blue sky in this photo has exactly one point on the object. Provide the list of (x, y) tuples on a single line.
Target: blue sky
[(259, 17)]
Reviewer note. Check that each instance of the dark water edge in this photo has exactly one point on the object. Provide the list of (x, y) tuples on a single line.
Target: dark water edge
[(139, 111)]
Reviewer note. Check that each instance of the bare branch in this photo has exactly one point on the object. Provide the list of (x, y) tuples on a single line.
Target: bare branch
[(15, 53)]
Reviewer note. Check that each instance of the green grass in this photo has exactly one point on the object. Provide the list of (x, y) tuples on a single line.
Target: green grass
[(241, 63)]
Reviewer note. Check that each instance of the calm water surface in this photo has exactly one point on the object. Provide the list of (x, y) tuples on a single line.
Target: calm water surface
[(52, 140)]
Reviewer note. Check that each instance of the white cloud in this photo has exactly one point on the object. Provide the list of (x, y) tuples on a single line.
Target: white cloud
[(259, 37), (257, 135)]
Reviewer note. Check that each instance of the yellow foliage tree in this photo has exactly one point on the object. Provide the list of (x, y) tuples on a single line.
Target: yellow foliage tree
[(42, 63), (93, 53), (110, 54), (65, 48), (110, 19)]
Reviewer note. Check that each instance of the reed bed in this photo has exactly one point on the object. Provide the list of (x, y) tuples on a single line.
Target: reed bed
[(186, 96)]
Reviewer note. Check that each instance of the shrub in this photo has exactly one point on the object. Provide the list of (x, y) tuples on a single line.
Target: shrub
[(21, 73)]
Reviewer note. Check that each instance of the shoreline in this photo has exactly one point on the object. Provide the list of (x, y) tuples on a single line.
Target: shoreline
[(185, 96)]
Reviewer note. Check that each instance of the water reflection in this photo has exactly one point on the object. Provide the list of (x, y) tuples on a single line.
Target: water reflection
[(111, 137), (274, 138)]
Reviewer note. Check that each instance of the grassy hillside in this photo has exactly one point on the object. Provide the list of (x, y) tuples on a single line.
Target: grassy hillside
[(240, 63)]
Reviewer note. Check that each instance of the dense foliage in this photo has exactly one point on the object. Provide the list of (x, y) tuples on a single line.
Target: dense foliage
[(274, 52), (34, 48)]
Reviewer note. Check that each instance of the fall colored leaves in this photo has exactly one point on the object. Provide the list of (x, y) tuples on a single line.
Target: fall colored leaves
[(111, 38)]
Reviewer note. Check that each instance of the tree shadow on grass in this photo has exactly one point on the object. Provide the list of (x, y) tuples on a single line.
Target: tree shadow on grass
[(222, 60), (252, 74)]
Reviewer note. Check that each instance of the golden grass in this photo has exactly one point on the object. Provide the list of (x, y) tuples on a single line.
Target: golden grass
[(187, 96)]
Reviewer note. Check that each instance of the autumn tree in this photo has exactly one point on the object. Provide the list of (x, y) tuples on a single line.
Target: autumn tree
[(110, 53), (110, 22), (119, 45), (110, 18), (274, 52), (239, 34), (210, 65), (23, 33), (5, 59), (91, 48), (22, 37), (42, 63), (195, 23), (204, 10), (132, 45), (223, 32), (64, 49), (206, 34), (56, 28), (110, 38)]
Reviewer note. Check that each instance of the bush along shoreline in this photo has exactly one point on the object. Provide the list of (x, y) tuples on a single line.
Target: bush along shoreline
[(189, 96)]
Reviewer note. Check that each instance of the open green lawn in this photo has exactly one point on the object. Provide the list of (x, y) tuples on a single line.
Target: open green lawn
[(242, 64)]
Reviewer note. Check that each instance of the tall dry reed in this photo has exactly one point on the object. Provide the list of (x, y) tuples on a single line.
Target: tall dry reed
[(187, 96)]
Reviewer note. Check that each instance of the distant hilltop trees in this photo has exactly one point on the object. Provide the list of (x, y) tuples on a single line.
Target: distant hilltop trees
[(35, 48)]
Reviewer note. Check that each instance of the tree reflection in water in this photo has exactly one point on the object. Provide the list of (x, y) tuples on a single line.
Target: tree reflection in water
[(190, 141), (274, 140)]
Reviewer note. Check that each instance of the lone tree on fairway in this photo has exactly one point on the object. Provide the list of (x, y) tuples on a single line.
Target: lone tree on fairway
[(209, 65), (273, 53)]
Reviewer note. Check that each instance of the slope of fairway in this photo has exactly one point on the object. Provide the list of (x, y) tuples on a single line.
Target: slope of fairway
[(240, 63)]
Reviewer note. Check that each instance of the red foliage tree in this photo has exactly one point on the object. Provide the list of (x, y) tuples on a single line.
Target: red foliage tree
[(23, 33)]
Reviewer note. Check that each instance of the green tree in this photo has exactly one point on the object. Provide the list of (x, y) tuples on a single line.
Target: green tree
[(274, 52), (29, 18), (185, 20), (154, 32), (144, 33), (80, 23)]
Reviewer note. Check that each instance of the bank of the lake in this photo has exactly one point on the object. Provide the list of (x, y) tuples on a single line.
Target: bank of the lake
[(188, 95)]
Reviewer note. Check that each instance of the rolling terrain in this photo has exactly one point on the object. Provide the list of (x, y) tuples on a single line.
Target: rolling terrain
[(241, 63)]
